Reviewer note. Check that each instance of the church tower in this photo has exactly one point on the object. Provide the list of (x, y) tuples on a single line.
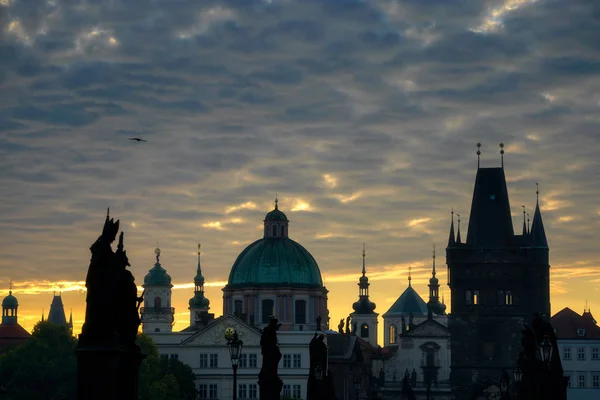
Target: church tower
[(11, 333), (434, 305), (199, 304), (498, 280), (157, 315), (364, 318)]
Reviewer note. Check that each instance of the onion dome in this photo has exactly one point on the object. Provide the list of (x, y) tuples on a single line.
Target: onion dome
[(157, 275), (10, 301), (363, 305), (199, 301), (275, 260)]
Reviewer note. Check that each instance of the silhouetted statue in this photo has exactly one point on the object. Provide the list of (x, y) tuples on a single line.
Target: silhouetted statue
[(348, 325), (381, 377), (341, 326), (268, 379), (101, 282), (107, 340), (407, 391), (413, 378), (318, 360), (128, 303)]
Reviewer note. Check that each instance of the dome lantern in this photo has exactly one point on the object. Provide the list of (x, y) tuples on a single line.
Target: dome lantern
[(276, 223)]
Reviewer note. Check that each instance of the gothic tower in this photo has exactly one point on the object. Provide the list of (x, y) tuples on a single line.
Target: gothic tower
[(364, 319), (498, 280), (157, 315)]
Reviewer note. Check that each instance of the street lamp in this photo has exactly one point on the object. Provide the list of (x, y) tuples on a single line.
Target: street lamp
[(546, 349), (518, 374), (235, 349), (318, 373)]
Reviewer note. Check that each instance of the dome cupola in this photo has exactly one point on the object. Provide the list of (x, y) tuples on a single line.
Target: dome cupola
[(276, 223), (157, 275), (10, 305), (363, 305)]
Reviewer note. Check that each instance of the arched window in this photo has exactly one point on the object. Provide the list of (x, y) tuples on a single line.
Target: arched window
[(268, 309), (393, 333), (282, 230), (274, 230), (157, 302), (300, 312), (364, 331)]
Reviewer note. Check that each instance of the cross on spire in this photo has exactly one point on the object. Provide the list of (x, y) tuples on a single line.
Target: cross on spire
[(433, 272), (409, 277), (364, 269), (276, 201)]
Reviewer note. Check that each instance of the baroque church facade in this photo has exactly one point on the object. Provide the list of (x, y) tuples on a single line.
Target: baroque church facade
[(273, 276)]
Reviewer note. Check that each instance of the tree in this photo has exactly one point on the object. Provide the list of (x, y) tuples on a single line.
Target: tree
[(161, 378), (44, 367)]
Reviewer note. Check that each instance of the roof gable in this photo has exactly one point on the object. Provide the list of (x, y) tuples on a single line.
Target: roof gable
[(428, 328), (214, 333), (570, 325), (408, 302)]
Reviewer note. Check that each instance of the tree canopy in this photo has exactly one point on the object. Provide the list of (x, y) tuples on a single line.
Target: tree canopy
[(44, 367)]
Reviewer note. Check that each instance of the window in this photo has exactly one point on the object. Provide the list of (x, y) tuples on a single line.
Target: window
[(596, 380), (253, 391), (581, 353), (268, 309), (393, 332), (567, 353), (508, 298), (364, 331), (287, 361), (568, 375), (580, 332), (468, 298), (214, 361), (274, 230), (293, 391), (203, 360), (297, 360), (243, 361), (242, 391), (157, 303), (476, 297), (174, 357), (209, 391), (595, 353), (252, 360), (581, 380), (300, 311), (282, 230), (238, 306)]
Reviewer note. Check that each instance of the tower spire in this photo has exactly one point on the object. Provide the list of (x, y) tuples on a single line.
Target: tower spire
[(276, 201), (409, 277), (364, 268), (478, 154), (524, 221), (433, 269), (502, 154), (528, 228), (451, 239), (538, 233), (458, 240)]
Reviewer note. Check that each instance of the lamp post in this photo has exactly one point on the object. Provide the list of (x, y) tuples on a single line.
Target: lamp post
[(546, 350), (235, 349)]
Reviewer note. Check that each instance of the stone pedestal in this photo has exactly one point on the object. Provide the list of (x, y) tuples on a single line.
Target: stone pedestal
[(269, 387), (108, 372)]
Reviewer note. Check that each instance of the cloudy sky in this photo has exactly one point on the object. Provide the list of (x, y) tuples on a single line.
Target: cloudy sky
[(362, 115)]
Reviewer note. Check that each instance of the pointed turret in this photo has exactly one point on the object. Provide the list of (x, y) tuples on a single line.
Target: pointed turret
[(364, 318), (57, 311), (524, 222), (451, 238), (199, 302), (538, 233), (458, 239), (42, 315), (434, 304), (363, 305), (70, 324)]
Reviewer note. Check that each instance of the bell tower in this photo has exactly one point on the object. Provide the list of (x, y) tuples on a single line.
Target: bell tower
[(199, 304), (364, 318), (157, 315)]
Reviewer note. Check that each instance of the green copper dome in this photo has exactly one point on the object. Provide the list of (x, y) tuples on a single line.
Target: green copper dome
[(157, 276), (275, 261), (199, 301), (10, 301)]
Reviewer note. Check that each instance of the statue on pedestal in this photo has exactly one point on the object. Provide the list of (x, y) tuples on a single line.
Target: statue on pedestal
[(268, 379)]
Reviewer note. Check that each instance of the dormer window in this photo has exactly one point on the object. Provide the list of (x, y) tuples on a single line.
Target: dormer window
[(580, 332)]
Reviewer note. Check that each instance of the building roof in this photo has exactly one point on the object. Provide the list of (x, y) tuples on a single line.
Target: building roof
[(408, 302), (570, 325), (275, 261), (490, 221)]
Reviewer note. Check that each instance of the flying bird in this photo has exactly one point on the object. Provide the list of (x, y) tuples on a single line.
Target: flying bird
[(137, 139)]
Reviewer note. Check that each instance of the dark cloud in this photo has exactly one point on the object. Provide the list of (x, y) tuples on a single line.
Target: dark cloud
[(363, 115)]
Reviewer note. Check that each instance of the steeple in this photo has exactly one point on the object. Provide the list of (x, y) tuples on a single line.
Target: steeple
[(57, 311), (538, 233), (363, 305), (524, 222), (70, 324), (409, 277), (199, 302), (434, 304), (458, 239), (451, 239), (490, 222)]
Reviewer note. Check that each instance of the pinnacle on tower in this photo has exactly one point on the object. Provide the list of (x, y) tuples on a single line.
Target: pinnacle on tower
[(458, 239), (538, 233), (451, 239)]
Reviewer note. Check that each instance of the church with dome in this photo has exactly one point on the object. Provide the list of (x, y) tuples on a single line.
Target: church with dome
[(11, 333), (273, 276)]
